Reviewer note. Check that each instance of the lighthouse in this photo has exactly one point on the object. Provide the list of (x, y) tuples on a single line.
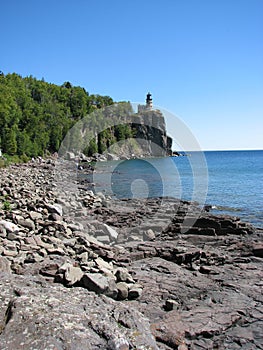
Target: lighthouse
[(149, 101), (149, 104)]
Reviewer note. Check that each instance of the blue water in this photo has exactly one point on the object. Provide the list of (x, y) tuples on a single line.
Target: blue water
[(236, 183), (231, 181)]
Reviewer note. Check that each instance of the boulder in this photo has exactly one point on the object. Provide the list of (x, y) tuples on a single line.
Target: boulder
[(35, 314), (9, 226), (73, 274), (103, 239), (123, 290), (148, 235), (34, 215), (113, 234), (100, 284), (55, 208), (134, 292), (171, 304), (95, 282), (102, 264), (123, 275), (70, 156), (27, 223), (49, 270), (83, 257)]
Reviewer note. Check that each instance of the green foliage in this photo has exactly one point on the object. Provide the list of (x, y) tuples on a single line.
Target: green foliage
[(10, 142), (6, 205), (2, 163), (7, 159), (35, 116), (123, 131), (91, 148)]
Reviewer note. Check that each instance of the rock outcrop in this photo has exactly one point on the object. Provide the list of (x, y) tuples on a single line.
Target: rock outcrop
[(86, 272), (150, 133), (118, 132)]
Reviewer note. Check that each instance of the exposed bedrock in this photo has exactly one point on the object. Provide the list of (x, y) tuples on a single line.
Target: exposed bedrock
[(86, 272)]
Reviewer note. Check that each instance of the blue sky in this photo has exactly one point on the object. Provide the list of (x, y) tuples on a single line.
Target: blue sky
[(201, 59)]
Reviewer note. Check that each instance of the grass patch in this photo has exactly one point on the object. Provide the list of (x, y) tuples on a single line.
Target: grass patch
[(6, 160), (6, 206)]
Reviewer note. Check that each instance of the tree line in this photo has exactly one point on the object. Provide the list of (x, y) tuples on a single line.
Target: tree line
[(35, 116)]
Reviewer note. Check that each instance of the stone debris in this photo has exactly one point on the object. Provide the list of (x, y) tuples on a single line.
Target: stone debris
[(82, 271)]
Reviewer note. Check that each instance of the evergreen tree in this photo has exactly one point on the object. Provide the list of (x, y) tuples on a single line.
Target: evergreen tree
[(35, 117), (10, 145)]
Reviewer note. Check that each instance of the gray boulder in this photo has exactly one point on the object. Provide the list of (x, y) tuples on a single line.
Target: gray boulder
[(72, 274), (100, 284), (27, 223), (9, 226), (55, 208), (113, 234)]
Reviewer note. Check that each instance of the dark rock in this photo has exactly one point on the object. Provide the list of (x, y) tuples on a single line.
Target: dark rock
[(54, 217), (171, 304), (95, 282), (134, 292), (207, 222), (49, 270), (207, 208), (123, 275), (258, 250), (55, 208)]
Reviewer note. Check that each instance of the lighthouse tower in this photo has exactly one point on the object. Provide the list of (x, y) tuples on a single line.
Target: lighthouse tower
[(148, 105), (149, 101)]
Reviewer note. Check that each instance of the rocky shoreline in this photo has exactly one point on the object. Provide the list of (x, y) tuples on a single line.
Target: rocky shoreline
[(91, 273)]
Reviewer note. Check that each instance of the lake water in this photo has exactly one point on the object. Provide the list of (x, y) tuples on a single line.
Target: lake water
[(231, 181)]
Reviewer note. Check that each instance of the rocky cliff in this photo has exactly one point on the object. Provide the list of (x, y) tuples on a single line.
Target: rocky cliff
[(119, 131), (147, 137), (150, 133)]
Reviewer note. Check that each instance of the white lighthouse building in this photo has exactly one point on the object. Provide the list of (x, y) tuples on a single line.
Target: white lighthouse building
[(148, 105)]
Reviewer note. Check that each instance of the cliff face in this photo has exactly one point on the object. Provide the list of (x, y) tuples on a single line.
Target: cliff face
[(118, 132), (150, 133), (149, 138)]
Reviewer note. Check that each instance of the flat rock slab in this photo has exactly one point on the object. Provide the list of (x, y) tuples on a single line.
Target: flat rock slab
[(37, 315), (213, 310)]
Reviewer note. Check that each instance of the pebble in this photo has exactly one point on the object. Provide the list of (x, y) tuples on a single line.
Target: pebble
[(131, 257)]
